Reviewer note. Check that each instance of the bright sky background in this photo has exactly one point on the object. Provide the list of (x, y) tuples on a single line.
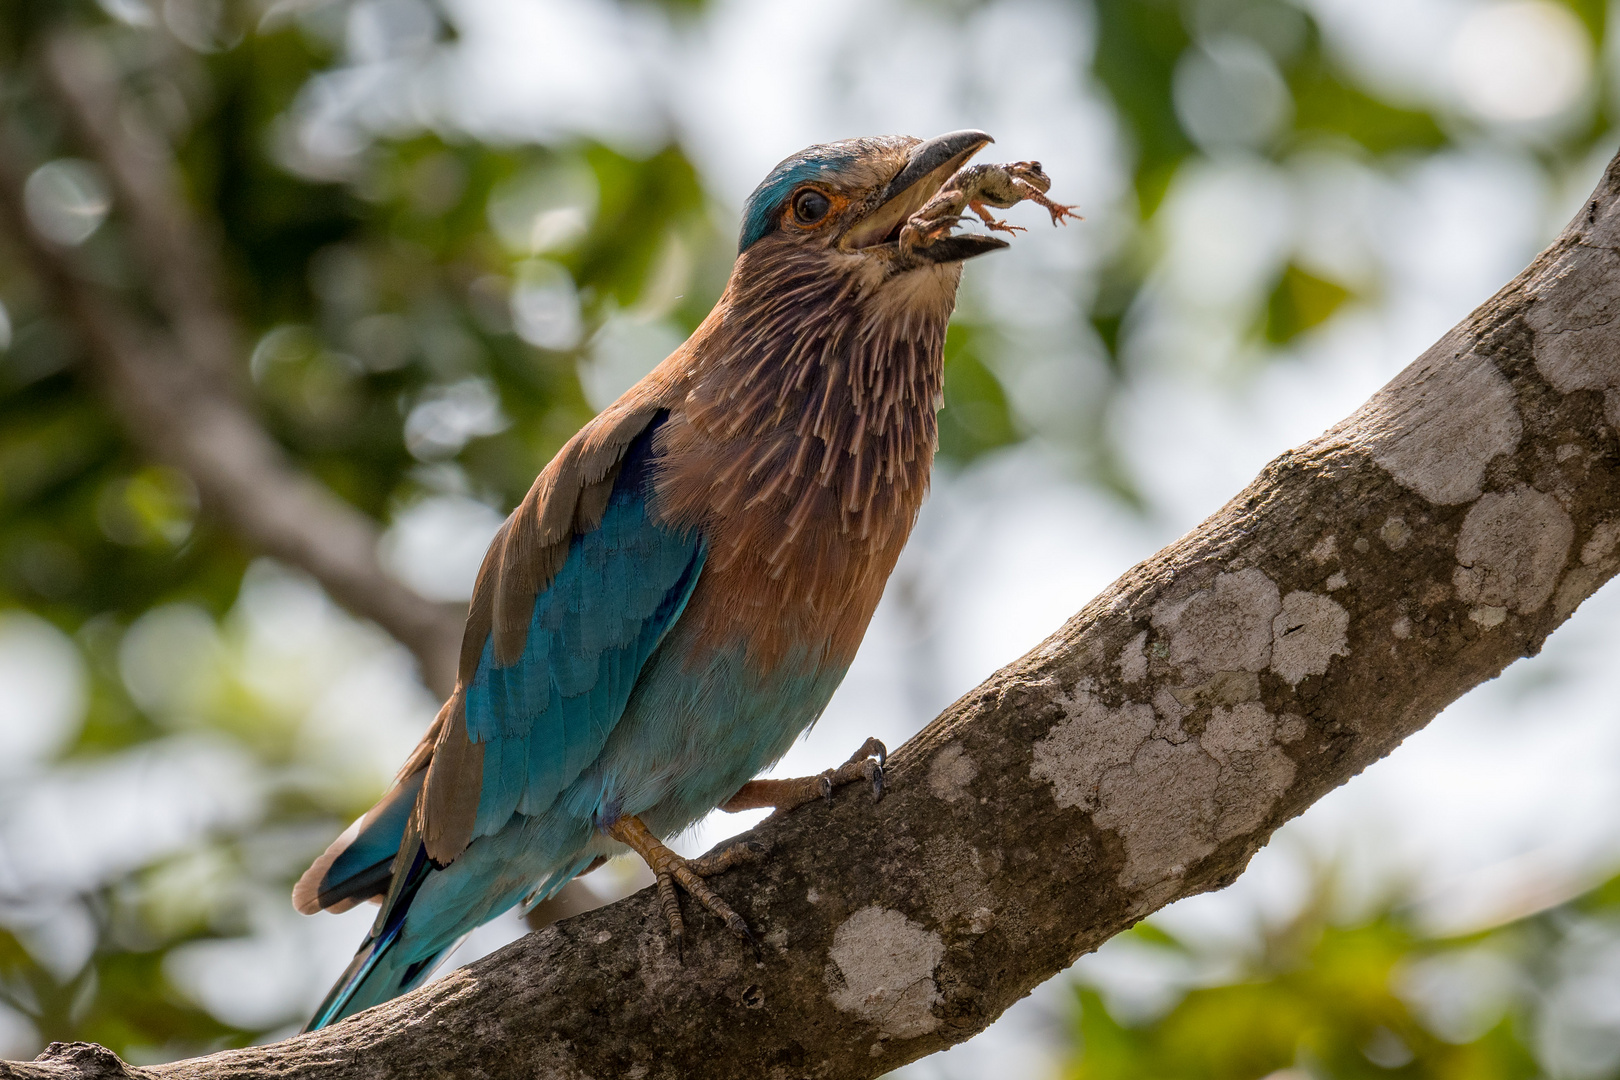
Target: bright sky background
[(1508, 797)]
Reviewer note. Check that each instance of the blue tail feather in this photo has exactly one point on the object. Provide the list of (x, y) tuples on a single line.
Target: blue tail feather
[(363, 869), (375, 974)]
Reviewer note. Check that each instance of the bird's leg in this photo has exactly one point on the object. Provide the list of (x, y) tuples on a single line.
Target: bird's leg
[(783, 795), (671, 870)]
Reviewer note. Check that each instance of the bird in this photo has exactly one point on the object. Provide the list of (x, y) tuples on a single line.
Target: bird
[(684, 586)]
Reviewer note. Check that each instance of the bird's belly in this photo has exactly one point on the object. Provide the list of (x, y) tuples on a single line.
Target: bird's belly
[(696, 731)]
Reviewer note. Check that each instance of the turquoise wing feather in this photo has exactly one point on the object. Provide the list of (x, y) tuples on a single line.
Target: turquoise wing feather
[(545, 717)]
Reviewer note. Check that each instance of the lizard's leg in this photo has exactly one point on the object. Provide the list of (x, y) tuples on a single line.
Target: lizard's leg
[(990, 219), (1059, 211)]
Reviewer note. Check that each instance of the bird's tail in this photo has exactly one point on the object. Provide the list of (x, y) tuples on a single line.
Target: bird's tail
[(396, 957), (379, 970)]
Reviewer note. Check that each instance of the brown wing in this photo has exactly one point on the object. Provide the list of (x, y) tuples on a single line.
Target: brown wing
[(568, 498)]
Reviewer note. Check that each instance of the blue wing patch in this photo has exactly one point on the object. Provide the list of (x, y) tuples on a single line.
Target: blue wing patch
[(544, 718)]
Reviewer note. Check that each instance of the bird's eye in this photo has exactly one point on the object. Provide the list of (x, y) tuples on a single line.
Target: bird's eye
[(810, 206)]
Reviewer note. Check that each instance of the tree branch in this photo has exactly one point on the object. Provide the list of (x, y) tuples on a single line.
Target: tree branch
[(176, 388), (180, 256), (1140, 754)]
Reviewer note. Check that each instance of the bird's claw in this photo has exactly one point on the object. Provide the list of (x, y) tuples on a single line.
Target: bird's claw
[(860, 766), (689, 875), (871, 748), (871, 771), (671, 870), (718, 862)]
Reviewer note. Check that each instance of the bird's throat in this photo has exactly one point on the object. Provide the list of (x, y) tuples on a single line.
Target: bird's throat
[(804, 444)]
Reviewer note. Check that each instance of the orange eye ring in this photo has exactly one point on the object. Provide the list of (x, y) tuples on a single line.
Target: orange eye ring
[(811, 208)]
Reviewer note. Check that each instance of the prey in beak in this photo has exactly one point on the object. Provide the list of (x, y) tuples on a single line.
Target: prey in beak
[(922, 204)]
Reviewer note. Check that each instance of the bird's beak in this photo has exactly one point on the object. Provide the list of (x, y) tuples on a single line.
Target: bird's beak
[(927, 168)]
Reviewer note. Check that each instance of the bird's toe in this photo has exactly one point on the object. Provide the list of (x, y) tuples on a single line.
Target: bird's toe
[(871, 748), (866, 764), (689, 879), (718, 862), (874, 775)]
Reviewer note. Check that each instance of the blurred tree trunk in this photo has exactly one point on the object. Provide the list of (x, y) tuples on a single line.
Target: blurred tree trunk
[(174, 377), (1141, 754)]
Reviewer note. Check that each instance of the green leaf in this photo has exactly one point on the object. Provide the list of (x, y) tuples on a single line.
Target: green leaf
[(1300, 301), (976, 418), (1326, 104), (1138, 44)]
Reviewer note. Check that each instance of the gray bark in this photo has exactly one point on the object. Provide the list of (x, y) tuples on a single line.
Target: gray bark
[(1140, 754)]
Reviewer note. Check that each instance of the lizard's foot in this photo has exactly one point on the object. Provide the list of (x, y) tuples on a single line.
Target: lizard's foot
[(1060, 212), (783, 795), (991, 222), (671, 870), (924, 228), (976, 188)]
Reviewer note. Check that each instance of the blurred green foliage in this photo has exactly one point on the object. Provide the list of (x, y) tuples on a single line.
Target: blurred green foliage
[(364, 293), (122, 997), (1161, 62), (976, 418), (1300, 301), (1378, 997)]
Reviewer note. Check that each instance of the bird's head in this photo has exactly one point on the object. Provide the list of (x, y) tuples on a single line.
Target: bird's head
[(843, 205), (829, 325), (826, 351)]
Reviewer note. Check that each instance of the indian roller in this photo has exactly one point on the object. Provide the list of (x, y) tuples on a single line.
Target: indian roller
[(685, 585)]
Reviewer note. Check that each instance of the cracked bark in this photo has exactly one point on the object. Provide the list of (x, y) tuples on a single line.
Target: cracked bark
[(175, 382), (1142, 753)]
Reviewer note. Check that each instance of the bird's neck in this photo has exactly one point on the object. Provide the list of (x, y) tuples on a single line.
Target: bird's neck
[(819, 379), (805, 438)]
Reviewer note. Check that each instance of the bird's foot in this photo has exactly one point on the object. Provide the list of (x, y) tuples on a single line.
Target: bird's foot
[(671, 870), (783, 795)]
